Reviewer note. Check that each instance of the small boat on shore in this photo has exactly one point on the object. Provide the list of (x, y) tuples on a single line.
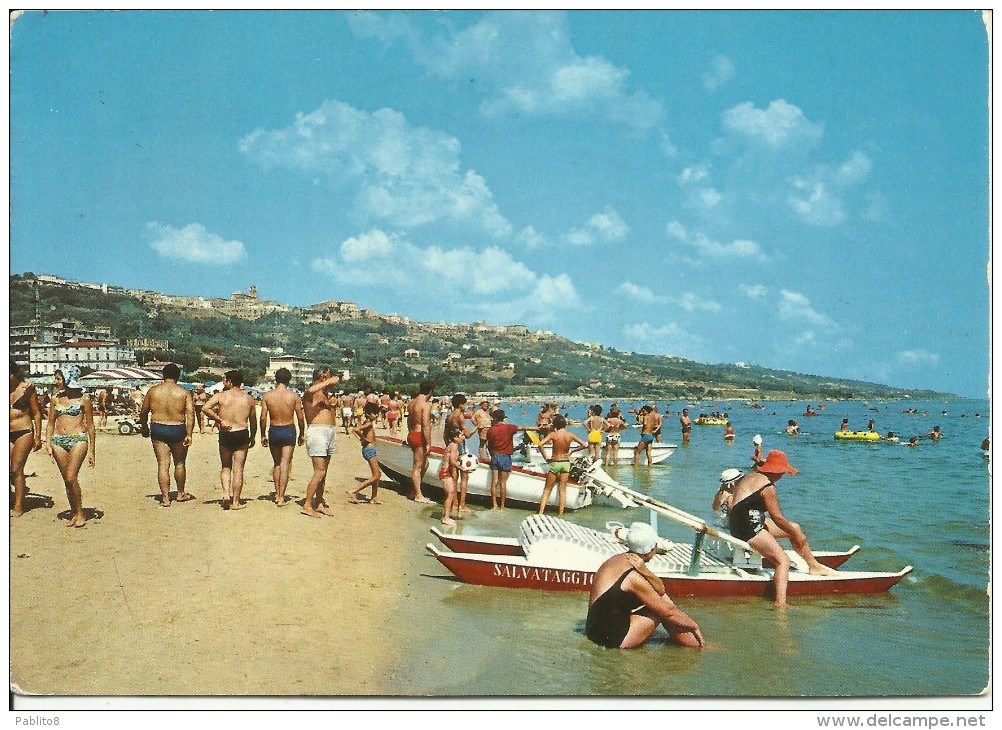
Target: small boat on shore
[(525, 484), (556, 555), (512, 546), (659, 452)]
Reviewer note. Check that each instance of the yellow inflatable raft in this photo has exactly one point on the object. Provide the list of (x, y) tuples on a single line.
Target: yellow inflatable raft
[(710, 422), (857, 436)]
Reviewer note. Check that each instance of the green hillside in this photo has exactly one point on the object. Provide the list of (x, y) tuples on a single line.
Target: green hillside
[(512, 361)]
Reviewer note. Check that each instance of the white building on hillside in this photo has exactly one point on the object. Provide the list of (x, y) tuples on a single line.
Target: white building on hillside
[(300, 367), (46, 358)]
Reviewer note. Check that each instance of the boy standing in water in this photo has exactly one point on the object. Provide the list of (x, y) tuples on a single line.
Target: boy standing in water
[(561, 441), (501, 446)]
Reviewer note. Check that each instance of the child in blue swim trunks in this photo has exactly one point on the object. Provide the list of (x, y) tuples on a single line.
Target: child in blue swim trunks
[(366, 432)]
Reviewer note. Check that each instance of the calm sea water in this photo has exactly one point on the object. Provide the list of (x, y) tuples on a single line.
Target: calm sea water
[(926, 506)]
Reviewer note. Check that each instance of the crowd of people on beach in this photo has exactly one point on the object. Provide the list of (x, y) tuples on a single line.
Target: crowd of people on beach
[(627, 602)]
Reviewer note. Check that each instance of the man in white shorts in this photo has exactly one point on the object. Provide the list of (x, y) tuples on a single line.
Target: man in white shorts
[(319, 406)]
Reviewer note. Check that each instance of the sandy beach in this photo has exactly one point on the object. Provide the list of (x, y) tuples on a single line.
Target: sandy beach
[(196, 600)]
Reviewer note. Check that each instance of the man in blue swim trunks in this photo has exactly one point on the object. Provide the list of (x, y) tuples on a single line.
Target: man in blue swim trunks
[(281, 405), (648, 423), (173, 418), (235, 413)]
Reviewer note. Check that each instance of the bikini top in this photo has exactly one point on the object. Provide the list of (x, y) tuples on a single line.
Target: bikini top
[(74, 410), (23, 402)]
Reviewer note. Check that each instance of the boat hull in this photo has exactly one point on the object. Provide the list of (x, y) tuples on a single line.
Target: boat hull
[(659, 453), (484, 545), (500, 571), (524, 488)]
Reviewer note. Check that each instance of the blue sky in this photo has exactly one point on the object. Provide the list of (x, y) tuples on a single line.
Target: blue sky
[(799, 190)]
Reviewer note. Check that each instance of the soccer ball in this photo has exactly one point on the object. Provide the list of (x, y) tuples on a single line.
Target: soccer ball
[(468, 462)]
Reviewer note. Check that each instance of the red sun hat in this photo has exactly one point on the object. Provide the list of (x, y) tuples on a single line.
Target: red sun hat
[(776, 463)]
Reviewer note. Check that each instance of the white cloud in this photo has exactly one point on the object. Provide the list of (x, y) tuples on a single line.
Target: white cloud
[(490, 271), (694, 174), (780, 125), (854, 170), (194, 244), (640, 293), (605, 227), (816, 203), (917, 357), (706, 247), (688, 301), (523, 63), (402, 175), (753, 291), (489, 279), (531, 238), (372, 245), (692, 303), (721, 71), (797, 307), (819, 197), (671, 339)]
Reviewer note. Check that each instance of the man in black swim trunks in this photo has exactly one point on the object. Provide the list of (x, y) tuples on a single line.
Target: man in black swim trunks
[(234, 411), (173, 413)]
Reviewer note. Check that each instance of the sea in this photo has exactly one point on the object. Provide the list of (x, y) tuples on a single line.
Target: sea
[(927, 506)]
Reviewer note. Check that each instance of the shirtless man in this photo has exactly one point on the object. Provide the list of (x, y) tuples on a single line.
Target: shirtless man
[(686, 424), (103, 404), (457, 420), (419, 436), (560, 440), (482, 421), (647, 425), (321, 437), (658, 421), (347, 405), (200, 397), (281, 405), (173, 413), (234, 412)]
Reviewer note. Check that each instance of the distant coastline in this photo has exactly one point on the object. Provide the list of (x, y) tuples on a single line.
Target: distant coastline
[(391, 352)]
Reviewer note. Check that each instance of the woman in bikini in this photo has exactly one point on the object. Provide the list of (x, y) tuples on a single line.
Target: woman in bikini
[(595, 425), (70, 436), (756, 518), (628, 602), (25, 432)]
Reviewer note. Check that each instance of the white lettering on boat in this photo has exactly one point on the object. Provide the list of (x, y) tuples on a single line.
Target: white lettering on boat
[(543, 575)]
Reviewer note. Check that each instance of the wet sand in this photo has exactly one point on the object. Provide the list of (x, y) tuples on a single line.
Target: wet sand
[(196, 600)]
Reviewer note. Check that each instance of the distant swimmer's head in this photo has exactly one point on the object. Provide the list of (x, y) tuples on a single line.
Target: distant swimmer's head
[(641, 538)]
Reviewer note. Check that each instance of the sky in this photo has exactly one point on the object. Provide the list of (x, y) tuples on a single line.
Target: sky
[(802, 190)]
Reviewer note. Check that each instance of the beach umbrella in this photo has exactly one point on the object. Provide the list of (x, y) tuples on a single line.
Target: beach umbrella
[(117, 376)]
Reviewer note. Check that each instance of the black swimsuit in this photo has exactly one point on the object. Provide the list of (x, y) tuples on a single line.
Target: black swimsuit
[(747, 517), (608, 620)]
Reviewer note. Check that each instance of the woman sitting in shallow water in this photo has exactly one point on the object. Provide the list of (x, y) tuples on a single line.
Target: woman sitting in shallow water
[(628, 602)]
